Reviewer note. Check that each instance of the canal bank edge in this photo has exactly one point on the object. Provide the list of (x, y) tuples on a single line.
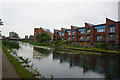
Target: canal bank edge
[(25, 74)]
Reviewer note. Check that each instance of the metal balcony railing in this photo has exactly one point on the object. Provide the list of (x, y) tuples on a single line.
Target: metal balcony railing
[(88, 39)]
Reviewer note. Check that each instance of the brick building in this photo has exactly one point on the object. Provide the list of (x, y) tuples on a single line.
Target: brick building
[(108, 32), (40, 31)]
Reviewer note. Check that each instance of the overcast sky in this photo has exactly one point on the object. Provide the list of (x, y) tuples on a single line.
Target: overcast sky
[(23, 16)]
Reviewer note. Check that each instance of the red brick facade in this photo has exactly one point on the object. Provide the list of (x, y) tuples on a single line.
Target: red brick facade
[(40, 31), (95, 33)]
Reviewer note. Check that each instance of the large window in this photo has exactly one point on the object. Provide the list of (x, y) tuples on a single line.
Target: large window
[(112, 37), (88, 30), (62, 33), (62, 37), (82, 31), (73, 38), (100, 30), (59, 33), (81, 38), (98, 38), (101, 38), (73, 32), (68, 38), (69, 33), (112, 28), (88, 38)]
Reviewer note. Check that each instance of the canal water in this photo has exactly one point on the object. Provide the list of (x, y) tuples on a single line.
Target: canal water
[(66, 65)]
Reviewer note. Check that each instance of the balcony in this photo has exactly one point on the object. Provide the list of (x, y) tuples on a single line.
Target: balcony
[(87, 39), (111, 32), (81, 40), (87, 33), (101, 40), (112, 40)]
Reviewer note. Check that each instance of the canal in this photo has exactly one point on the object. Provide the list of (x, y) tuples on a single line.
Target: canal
[(66, 65)]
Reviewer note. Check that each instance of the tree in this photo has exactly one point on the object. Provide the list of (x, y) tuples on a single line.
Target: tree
[(15, 35), (1, 23), (58, 38), (44, 37)]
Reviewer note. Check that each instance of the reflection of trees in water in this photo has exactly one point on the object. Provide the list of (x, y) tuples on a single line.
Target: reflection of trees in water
[(104, 64), (40, 52)]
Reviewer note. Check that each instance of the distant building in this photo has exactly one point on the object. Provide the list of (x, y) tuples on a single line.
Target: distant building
[(40, 31), (13, 35)]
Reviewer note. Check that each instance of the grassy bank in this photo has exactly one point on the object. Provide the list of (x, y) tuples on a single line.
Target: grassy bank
[(19, 68), (38, 43), (11, 44), (90, 49)]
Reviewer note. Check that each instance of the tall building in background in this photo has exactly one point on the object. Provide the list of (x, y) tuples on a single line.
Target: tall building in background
[(40, 31)]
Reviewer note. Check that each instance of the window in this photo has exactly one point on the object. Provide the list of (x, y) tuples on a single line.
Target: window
[(62, 37), (82, 38), (112, 37), (100, 30), (59, 33), (112, 28), (68, 33), (88, 30), (62, 33), (98, 38), (73, 32), (73, 38), (82, 31), (88, 38), (68, 38)]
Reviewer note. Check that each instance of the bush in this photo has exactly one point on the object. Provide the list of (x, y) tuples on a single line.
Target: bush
[(68, 41), (44, 37), (60, 43), (11, 44)]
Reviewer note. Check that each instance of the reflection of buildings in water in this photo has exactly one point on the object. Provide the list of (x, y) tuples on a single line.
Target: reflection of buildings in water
[(64, 58), (104, 65), (38, 53)]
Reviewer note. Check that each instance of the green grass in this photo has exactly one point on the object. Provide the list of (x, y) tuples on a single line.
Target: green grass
[(10, 44), (40, 44), (19, 68), (91, 49)]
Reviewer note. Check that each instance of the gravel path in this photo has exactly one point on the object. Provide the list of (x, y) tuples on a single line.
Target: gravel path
[(8, 70)]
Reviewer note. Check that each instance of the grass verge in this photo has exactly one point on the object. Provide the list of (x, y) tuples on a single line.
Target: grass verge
[(91, 49), (26, 75)]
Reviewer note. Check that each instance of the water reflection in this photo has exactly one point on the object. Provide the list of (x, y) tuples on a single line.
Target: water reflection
[(38, 53), (64, 65), (106, 65)]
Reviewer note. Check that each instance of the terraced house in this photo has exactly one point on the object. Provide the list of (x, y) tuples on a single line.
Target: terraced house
[(108, 32)]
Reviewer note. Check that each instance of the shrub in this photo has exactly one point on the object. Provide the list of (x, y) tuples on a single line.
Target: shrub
[(11, 44)]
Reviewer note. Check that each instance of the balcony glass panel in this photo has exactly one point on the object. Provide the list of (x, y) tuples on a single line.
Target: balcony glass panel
[(62, 33), (100, 30), (112, 37), (88, 30), (81, 38), (98, 38), (88, 38), (112, 28)]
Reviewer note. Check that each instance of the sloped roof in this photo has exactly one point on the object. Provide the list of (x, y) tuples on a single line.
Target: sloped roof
[(46, 30), (90, 24)]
